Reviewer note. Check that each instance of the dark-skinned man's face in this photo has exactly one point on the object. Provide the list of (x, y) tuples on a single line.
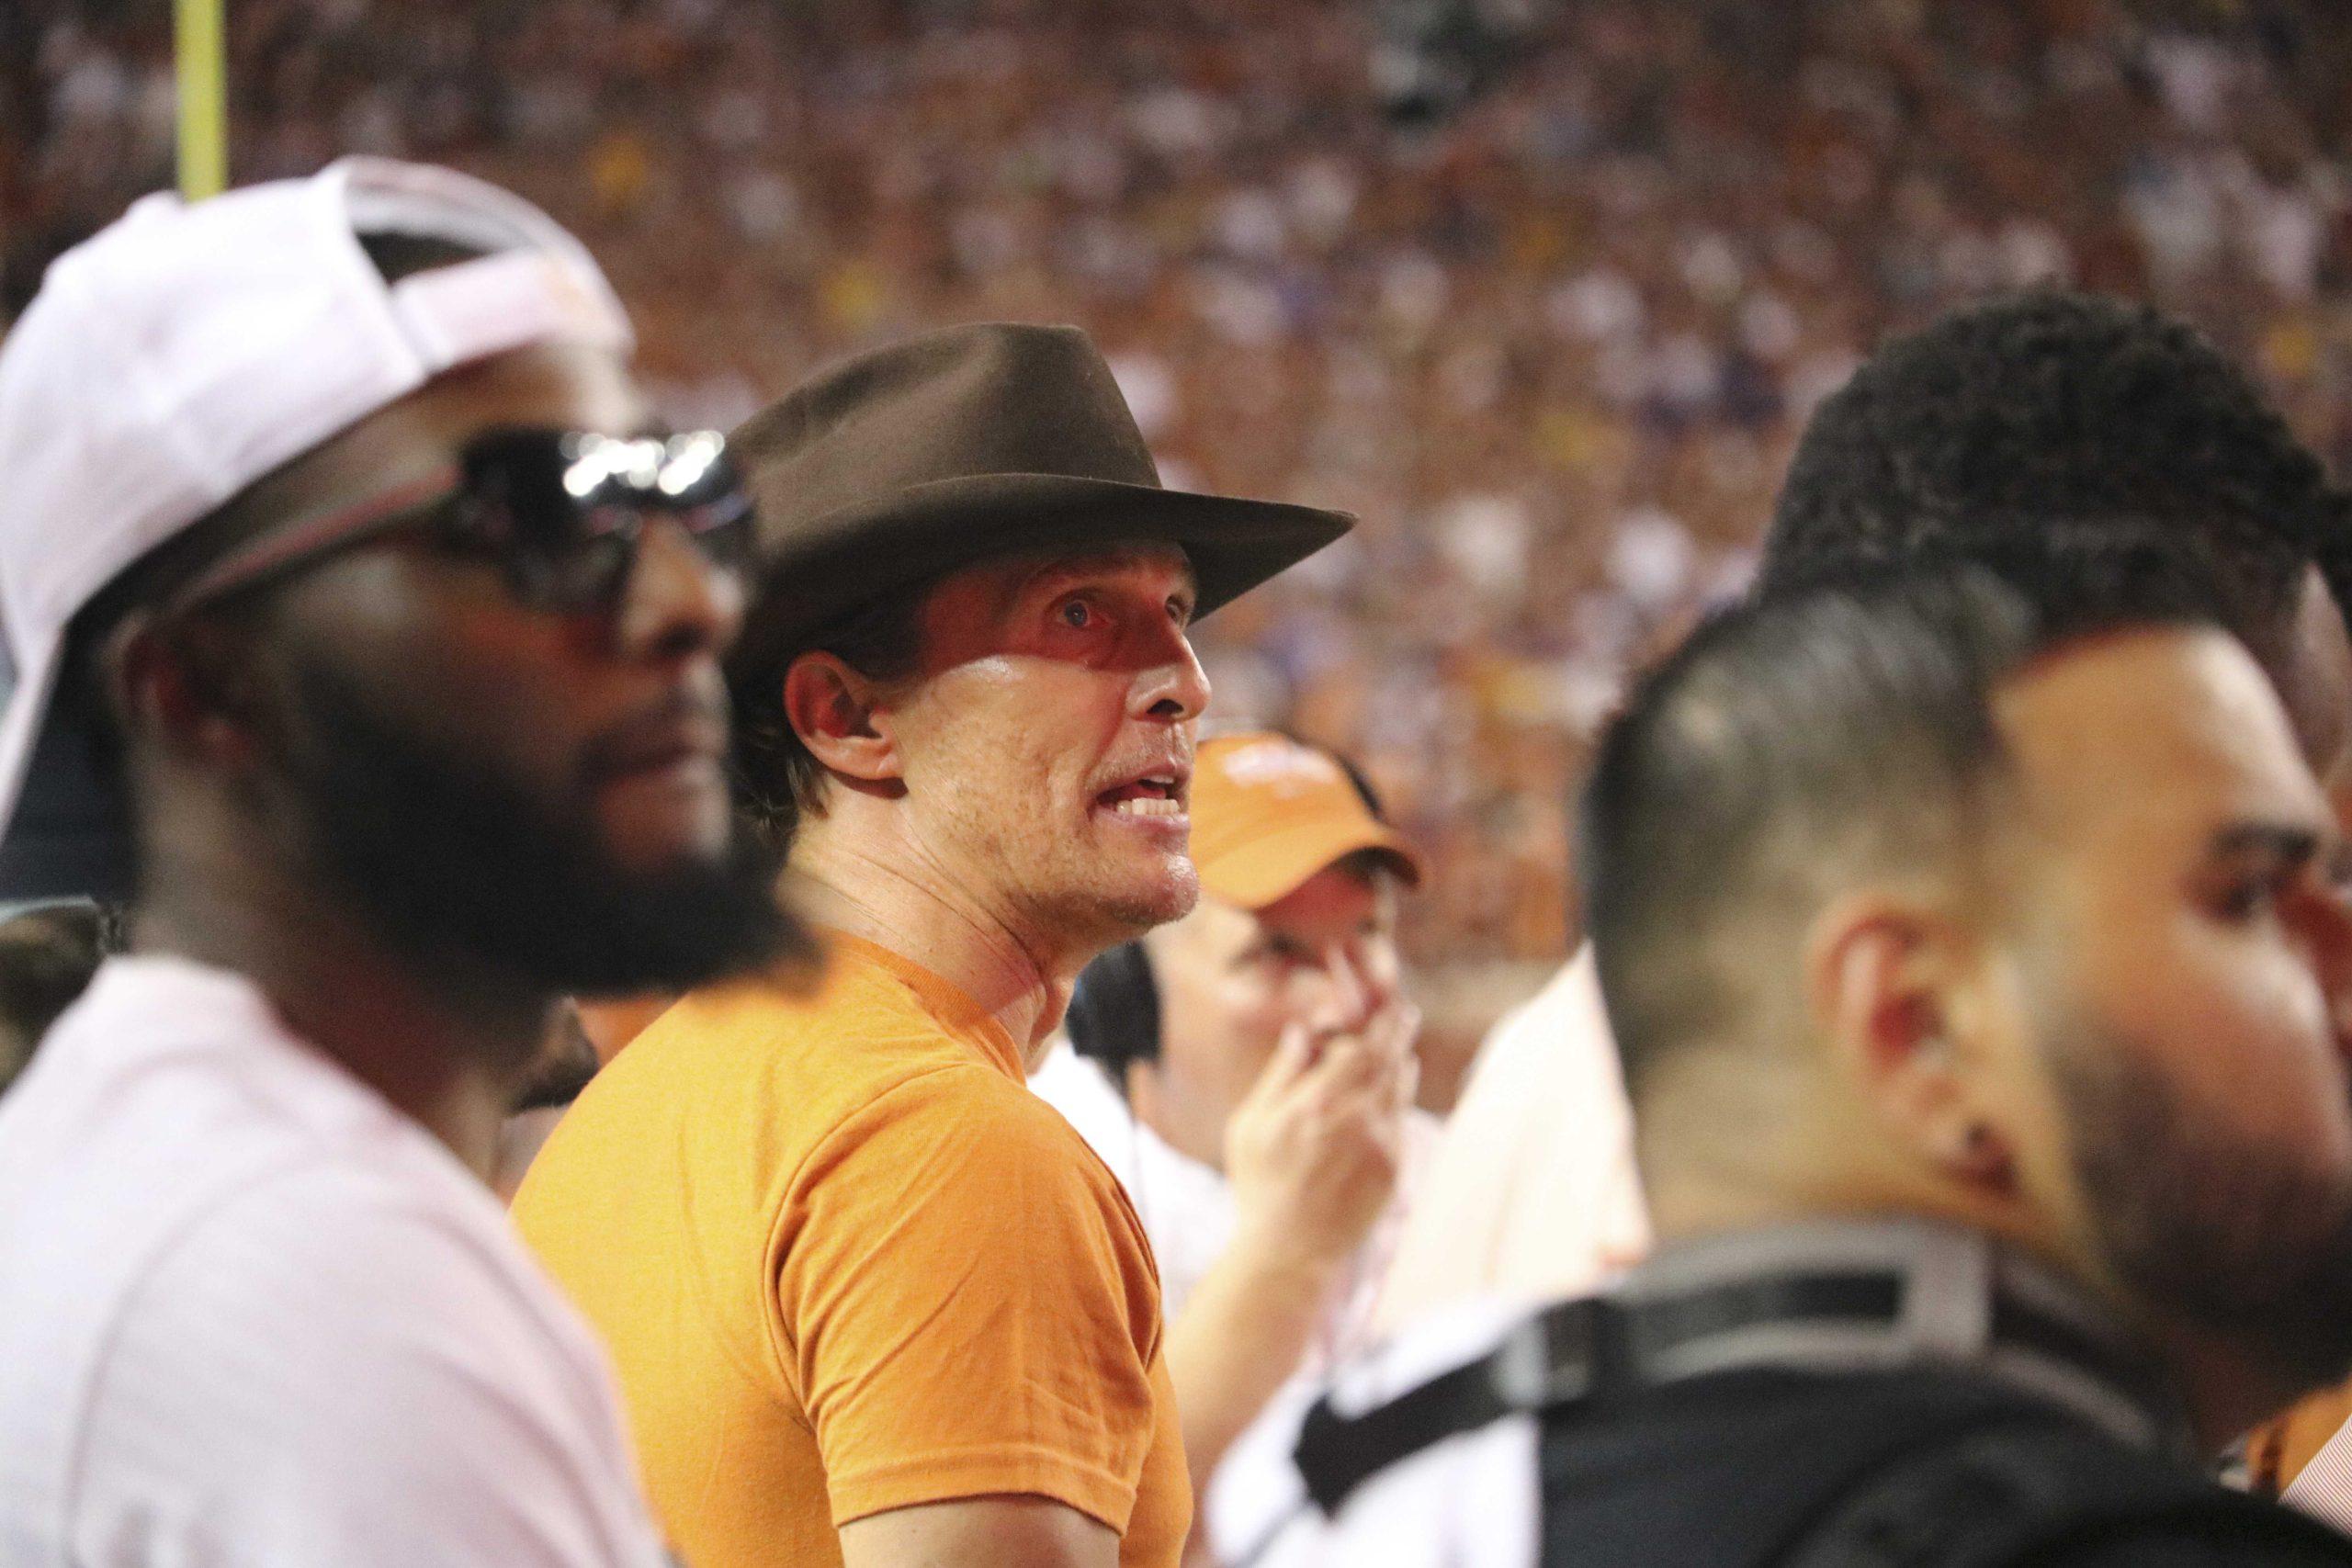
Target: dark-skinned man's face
[(539, 790)]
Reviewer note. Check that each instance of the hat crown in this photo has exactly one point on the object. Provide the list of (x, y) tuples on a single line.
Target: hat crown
[(963, 403)]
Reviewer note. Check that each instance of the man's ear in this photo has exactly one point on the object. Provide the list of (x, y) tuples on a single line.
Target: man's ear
[(1888, 981), (175, 683), (838, 715)]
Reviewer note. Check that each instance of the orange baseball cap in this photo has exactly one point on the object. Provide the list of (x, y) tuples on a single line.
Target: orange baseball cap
[(1269, 812)]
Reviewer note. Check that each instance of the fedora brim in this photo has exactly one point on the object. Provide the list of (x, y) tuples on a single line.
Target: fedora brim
[(848, 559)]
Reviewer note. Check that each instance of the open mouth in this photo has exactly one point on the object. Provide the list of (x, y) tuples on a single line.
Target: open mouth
[(1158, 794)]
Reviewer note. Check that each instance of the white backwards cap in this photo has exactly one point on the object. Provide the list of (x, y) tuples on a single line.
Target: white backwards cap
[(185, 352)]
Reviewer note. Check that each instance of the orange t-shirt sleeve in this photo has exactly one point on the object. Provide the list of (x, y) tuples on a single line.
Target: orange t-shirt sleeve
[(966, 1306)]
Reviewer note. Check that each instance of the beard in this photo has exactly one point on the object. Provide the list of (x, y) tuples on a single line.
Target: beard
[(2225, 1232), (452, 862), (1060, 888)]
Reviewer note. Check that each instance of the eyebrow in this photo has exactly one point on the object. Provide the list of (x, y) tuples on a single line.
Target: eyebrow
[(1055, 573), (2290, 844)]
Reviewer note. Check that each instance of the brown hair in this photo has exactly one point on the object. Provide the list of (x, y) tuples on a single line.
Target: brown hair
[(778, 781)]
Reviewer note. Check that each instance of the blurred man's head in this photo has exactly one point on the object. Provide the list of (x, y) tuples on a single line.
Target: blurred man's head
[(47, 958), (452, 660), (969, 659), (2018, 910), (1297, 927), (2054, 418)]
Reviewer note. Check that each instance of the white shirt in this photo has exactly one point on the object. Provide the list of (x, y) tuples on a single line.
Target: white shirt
[(250, 1315), (1187, 1207), (2324, 1488), (1188, 1214), (1470, 1501), (1532, 1194)]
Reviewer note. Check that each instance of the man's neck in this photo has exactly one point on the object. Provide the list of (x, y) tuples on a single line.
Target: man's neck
[(446, 1050), (927, 916)]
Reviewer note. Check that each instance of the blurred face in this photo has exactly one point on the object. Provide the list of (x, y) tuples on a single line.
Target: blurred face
[(1046, 747), (1231, 980), (540, 789), (2189, 957)]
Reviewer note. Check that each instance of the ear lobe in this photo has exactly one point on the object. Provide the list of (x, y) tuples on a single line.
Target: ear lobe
[(1882, 980), (836, 711)]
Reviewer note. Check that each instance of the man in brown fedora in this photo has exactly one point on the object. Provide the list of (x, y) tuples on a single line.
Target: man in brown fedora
[(872, 1301)]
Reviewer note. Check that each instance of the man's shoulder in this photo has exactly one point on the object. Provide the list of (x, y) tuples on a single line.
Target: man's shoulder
[(1725, 1468), (447, 1404), (343, 1250), (971, 1114), (808, 1052), (2027, 1484), (794, 1062), (317, 1295), (128, 1150)]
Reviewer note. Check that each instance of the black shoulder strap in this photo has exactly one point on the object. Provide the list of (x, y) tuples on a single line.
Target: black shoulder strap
[(1555, 1358), (2033, 1488)]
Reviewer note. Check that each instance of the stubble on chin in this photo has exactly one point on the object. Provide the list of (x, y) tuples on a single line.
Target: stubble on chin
[(1116, 904), (2206, 1225)]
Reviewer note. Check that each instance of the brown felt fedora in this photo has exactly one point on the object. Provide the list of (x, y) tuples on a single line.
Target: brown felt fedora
[(963, 444)]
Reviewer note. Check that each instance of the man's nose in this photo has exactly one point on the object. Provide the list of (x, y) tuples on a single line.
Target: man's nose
[(1174, 687), (678, 601), (1353, 989)]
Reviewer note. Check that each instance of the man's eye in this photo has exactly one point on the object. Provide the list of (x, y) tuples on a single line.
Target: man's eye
[(1076, 615), (2245, 900)]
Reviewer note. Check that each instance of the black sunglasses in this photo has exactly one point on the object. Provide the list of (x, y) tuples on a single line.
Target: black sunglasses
[(560, 511)]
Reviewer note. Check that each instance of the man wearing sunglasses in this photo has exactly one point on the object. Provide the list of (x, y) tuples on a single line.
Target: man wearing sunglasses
[(362, 640)]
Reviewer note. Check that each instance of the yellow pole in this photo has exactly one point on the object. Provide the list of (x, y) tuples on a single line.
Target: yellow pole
[(204, 99)]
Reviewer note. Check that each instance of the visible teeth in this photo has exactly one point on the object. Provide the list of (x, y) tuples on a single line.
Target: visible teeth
[(1149, 805)]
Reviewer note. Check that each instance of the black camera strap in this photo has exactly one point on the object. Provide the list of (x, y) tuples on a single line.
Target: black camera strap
[(1828, 1299)]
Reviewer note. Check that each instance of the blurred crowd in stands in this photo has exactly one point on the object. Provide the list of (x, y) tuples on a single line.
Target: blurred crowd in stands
[(1542, 290)]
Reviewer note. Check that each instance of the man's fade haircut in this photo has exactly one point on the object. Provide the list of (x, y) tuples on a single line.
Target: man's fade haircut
[(2036, 414), (1796, 747)]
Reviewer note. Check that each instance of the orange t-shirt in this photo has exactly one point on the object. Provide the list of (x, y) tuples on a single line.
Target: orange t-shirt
[(846, 1262)]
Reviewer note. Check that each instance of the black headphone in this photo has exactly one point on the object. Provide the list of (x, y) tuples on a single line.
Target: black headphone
[(1114, 1017)]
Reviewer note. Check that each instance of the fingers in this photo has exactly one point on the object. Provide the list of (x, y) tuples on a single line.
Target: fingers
[(1362, 1141), (1353, 1079), (1294, 1056), (1406, 1084)]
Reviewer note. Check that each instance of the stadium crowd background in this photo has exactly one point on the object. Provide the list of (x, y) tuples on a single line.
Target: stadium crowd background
[(1542, 291)]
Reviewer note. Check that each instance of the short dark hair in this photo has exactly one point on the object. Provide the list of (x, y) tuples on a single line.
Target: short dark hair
[(2010, 419), (778, 781), (1796, 743)]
